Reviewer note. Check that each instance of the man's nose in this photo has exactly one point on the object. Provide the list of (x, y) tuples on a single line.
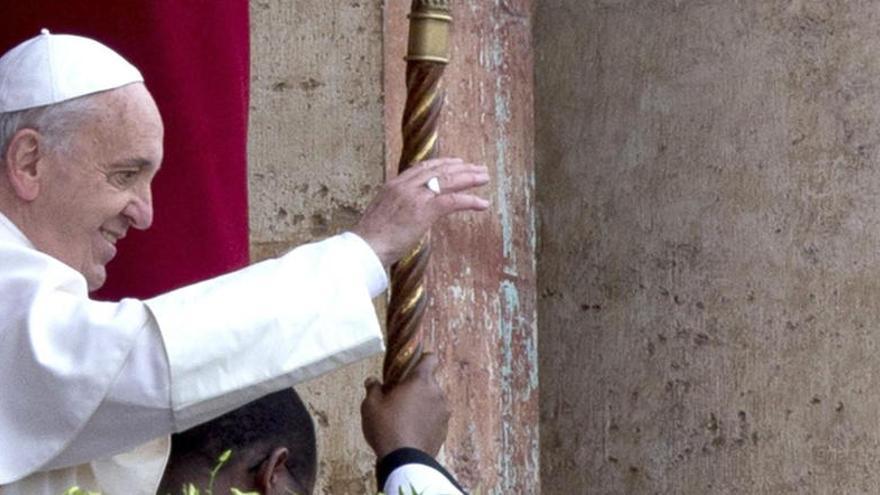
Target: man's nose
[(140, 210)]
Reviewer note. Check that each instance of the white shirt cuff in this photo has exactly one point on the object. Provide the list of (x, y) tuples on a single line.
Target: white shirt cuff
[(374, 272), (419, 479)]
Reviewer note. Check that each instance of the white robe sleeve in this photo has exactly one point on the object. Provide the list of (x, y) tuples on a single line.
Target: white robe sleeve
[(241, 333), (136, 407), (84, 379)]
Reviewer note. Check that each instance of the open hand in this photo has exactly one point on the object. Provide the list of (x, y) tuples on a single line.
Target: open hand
[(405, 208)]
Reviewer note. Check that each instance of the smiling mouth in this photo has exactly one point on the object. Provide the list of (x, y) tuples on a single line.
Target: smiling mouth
[(110, 236)]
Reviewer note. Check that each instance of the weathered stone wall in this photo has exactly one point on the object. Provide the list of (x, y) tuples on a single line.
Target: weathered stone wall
[(709, 198), (316, 154)]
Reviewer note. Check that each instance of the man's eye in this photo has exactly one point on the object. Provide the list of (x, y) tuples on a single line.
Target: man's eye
[(123, 178)]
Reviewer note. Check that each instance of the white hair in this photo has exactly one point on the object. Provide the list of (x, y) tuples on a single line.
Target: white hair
[(55, 123)]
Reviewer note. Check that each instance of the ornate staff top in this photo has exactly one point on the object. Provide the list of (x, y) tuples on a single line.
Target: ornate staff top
[(429, 24)]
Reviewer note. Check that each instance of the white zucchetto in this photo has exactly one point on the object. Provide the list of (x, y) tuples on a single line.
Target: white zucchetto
[(52, 68)]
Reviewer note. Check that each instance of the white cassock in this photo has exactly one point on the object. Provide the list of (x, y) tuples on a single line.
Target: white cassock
[(85, 380)]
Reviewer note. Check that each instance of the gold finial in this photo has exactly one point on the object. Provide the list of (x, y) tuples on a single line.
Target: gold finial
[(429, 31), (432, 4)]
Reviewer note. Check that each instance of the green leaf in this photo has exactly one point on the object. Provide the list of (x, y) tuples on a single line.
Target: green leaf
[(75, 490)]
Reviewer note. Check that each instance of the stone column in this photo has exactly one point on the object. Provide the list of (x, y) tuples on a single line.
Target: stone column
[(482, 318)]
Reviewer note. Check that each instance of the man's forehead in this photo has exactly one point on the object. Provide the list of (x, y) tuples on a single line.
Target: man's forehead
[(124, 132), (130, 102)]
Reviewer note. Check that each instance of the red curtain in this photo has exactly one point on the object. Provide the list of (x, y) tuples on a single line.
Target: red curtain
[(195, 60)]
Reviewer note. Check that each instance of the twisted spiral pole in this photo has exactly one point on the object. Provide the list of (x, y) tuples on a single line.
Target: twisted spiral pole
[(427, 57)]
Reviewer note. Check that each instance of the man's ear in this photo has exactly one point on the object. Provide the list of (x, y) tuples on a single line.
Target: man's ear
[(22, 159), (273, 476)]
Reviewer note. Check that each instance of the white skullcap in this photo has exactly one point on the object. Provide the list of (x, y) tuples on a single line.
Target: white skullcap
[(52, 68)]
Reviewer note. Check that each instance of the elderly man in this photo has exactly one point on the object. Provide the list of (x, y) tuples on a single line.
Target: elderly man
[(90, 390)]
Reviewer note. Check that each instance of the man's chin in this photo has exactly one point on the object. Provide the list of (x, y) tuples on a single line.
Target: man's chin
[(96, 279)]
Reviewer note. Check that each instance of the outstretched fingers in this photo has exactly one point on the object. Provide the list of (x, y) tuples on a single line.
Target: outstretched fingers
[(428, 167), (445, 204), (455, 177), (464, 180), (452, 177)]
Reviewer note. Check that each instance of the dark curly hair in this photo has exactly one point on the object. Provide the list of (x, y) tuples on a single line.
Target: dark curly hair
[(278, 419)]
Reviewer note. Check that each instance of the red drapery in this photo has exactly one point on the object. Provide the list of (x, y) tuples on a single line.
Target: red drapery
[(195, 60)]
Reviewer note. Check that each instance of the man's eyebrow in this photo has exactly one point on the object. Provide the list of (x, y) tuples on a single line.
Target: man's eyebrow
[(135, 162)]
